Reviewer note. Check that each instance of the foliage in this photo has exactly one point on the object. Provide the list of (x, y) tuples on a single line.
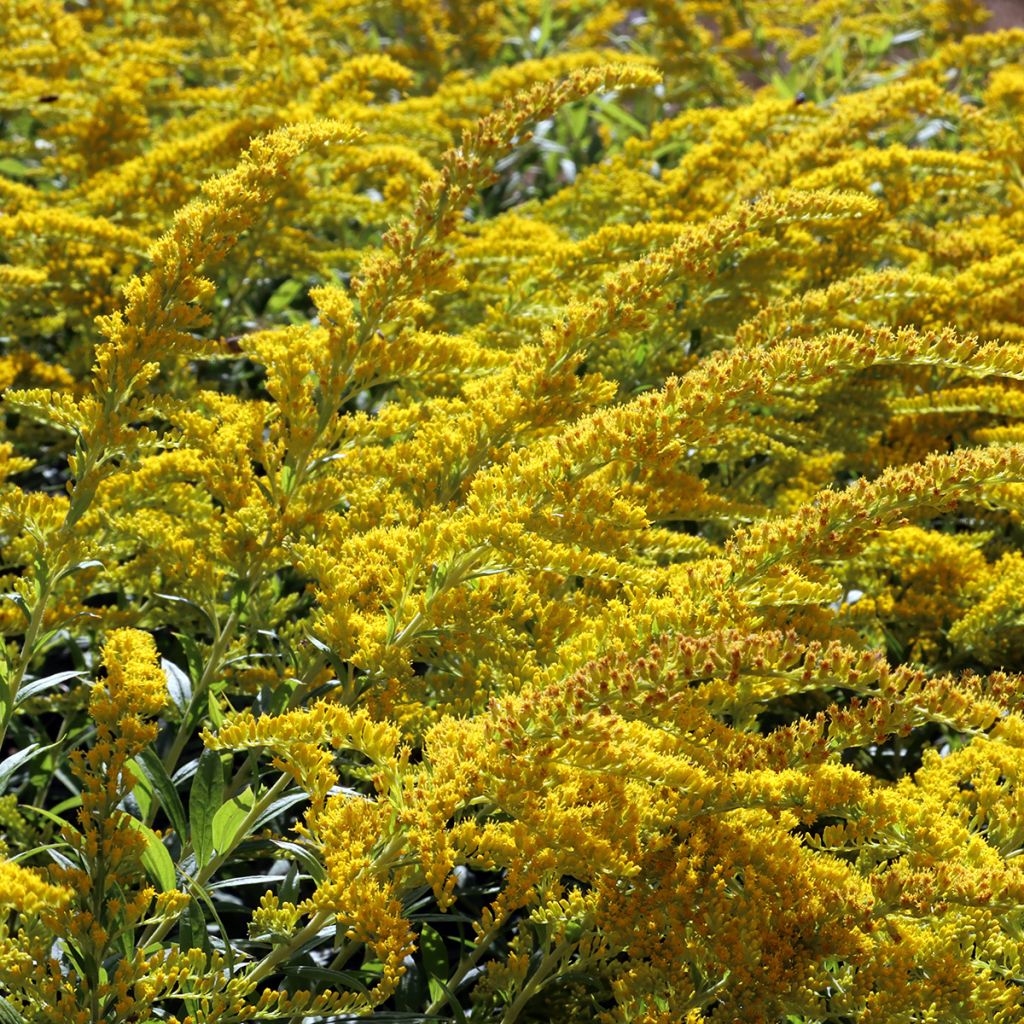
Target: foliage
[(532, 489)]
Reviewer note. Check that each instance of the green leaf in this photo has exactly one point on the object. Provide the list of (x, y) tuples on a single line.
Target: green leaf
[(193, 927), (546, 25), (192, 653), (228, 820), (785, 87), (12, 168), (440, 988), (835, 60), (435, 956), (279, 806), (38, 686), (213, 708), (155, 858), (266, 881), (9, 765), (16, 598), (142, 794), (285, 295), (335, 979), (902, 38), (435, 960), (303, 856), (179, 685), (332, 658), (155, 771), (204, 802), (8, 1014), (288, 887), (53, 816), (576, 117), (89, 563), (174, 599), (613, 112)]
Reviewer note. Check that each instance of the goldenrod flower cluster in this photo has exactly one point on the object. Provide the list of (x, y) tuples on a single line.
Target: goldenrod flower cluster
[(511, 512)]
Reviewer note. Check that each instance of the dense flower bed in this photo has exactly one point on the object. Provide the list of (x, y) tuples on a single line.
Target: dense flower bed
[(511, 512)]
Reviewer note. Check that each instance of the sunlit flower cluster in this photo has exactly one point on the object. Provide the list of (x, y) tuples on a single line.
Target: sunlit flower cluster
[(511, 512)]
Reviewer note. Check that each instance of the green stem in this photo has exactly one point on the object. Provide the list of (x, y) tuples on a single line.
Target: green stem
[(269, 963), (308, 677), (220, 645), (248, 770), (345, 953), (35, 623), (253, 239), (536, 982), (157, 932), (466, 964)]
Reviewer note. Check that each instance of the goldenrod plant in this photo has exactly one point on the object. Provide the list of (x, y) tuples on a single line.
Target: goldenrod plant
[(511, 512)]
